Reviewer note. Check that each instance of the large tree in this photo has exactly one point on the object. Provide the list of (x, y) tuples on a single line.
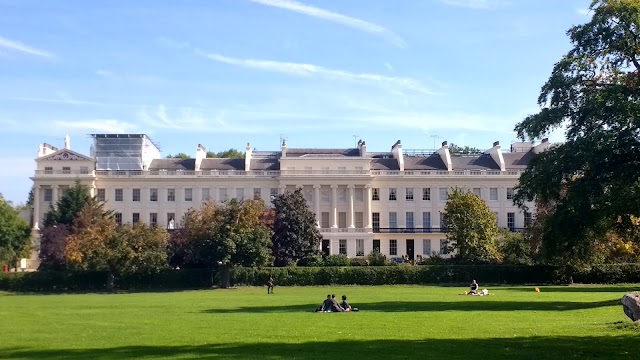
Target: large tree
[(471, 227), (235, 233), (228, 154), (591, 180), (69, 205), (296, 235), (15, 234), (463, 150)]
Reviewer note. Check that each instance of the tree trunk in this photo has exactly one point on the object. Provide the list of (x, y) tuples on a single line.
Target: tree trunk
[(110, 281), (225, 279)]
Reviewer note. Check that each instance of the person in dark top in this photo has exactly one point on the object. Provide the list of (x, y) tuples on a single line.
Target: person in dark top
[(270, 286), (345, 305), (326, 305), (335, 306), (473, 288)]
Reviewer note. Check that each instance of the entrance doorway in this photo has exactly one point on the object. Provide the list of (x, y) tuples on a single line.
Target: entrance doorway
[(325, 248), (376, 245), (410, 252)]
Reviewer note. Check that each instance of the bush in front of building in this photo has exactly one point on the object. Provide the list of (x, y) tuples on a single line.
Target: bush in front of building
[(359, 261), (337, 260), (375, 258), (608, 274)]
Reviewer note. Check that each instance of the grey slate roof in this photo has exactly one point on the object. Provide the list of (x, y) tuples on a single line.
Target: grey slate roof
[(517, 160), (431, 162), (384, 164), (265, 164), (222, 164), (172, 164), (336, 152), (475, 162)]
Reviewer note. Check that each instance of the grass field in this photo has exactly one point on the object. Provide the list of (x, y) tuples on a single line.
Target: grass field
[(396, 322)]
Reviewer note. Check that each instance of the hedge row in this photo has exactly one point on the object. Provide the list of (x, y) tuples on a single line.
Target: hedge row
[(54, 281)]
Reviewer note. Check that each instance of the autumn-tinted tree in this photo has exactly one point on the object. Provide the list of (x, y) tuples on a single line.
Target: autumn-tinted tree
[(471, 227), (53, 242), (296, 235), (591, 180), (227, 154), (180, 155), (15, 234), (236, 233)]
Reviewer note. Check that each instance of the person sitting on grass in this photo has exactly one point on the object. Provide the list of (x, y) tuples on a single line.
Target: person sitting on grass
[(335, 306), (345, 305), (326, 305), (473, 288)]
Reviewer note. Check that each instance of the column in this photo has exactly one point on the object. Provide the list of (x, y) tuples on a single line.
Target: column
[(367, 207), (351, 215), (36, 207), (316, 200), (334, 206), (92, 190), (54, 194)]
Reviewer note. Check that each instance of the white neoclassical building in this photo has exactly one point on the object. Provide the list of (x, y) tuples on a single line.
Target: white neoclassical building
[(390, 201)]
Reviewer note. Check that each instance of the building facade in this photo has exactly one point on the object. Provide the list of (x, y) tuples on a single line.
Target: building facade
[(364, 201)]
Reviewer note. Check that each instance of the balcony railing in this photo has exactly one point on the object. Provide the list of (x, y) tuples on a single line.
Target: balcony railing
[(276, 173), (428, 230)]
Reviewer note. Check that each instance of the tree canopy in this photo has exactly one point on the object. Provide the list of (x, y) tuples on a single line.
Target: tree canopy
[(590, 181), (295, 235), (68, 205), (463, 150), (471, 227), (15, 234), (227, 154), (180, 155)]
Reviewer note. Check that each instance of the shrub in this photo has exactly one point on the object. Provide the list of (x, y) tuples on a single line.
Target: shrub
[(359, 261), (337, 260), (312, 261), (375, 258)]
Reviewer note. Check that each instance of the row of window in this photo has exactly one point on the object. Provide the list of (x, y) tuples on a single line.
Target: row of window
[(442, 192), (153, 219), (66, 170), (393, 247), (187, 194), (426, 220)]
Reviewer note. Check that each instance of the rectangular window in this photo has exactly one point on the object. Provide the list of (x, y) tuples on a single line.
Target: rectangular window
[(342, 194), (442, 224), (426, 194), (171, 221), (206, 194), (102, 195), (257, 192), (153, 194), (393, 247), (392, 194), (426, 247), (509, 193), (477, 191), (48, 194), (426, 220), (408, 194), (409, 218), (359, 220), (324, 220), (84, 170), (153, 219), (273, 192), (359, 247), (66, 170), (171, 194), (375, 194), (342, 246), (223, 195), (393, 221), (511, 221), (342, 220), (119, 194), (444, 246), (118, 218), (375, 218), (135, 218), (135, 195), (493, 194), (188, 194), (359, 194), (325, 195), (239, 194), (444, 194), (527, 218), (48, 170)]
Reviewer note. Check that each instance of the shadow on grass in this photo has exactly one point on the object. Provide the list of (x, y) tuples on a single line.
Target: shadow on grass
[(473, 304), (540, 347), (577, 288)]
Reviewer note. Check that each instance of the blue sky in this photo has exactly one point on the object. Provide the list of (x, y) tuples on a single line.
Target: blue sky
[(227, 72)]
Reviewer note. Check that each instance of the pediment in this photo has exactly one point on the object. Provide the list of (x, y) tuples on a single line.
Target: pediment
[(66, 155)]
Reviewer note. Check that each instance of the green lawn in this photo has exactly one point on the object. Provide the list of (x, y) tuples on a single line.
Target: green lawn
[(396, 322)]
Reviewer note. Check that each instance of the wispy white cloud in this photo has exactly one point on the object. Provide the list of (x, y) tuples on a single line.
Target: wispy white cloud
[(335, 17), (20, 47), (476, 4), (311, 70)]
